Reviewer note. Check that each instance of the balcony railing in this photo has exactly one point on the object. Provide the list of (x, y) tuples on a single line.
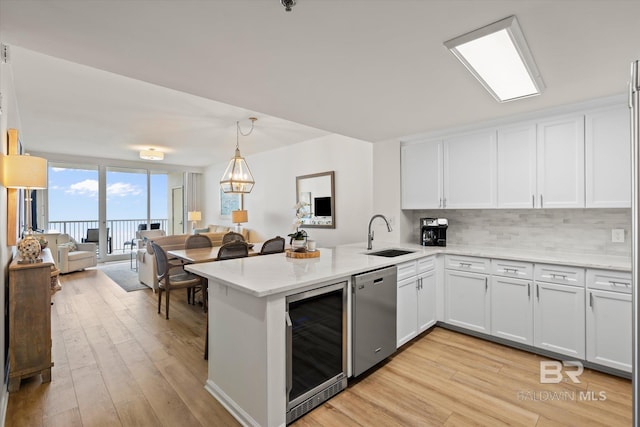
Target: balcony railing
[(121, 231)]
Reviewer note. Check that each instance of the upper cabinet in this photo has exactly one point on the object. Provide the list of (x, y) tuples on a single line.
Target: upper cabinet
[(422, 175), (608, 158), (516, 163), (560, 163), (470, 171), (570, 161)]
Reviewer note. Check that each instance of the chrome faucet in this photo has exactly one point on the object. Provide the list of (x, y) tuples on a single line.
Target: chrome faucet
[(370, 234)]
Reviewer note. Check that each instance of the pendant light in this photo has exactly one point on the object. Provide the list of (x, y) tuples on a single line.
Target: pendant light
[(237, 177)]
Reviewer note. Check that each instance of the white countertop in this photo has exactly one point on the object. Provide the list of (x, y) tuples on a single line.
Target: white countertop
[(266, 275)]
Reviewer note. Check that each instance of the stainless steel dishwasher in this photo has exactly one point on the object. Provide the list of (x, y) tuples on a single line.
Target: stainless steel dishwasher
[(373, 317)]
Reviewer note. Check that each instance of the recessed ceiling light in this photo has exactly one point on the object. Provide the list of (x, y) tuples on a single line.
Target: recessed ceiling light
[(151, 154), (498, 56)]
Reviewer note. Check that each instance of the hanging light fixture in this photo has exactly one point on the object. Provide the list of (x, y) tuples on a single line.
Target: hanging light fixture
[(237, 177)]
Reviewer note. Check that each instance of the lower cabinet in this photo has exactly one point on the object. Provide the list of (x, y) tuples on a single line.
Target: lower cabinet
[(416, 299), (512, 309), (467, 302), (609, 319), (559, 324)]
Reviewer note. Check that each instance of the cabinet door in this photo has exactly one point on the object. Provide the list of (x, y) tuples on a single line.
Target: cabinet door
[(516, 154), (407, 310), (426, 300), (609, 329), (607, 158), (467, 300), (421, 173), (512, 309), (470, 171), (560, 163), (559, 319)]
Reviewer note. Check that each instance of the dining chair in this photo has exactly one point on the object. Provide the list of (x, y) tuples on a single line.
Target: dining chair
[(167, 281), (232, 236), (233, 250), (197, 241), (273, 246)]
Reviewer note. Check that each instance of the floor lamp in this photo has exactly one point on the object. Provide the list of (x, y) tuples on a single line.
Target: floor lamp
[(26, 173)]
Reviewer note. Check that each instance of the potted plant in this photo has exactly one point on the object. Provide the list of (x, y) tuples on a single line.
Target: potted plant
[(298, 237)]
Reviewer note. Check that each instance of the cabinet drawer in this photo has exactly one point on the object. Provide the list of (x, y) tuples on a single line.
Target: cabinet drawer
[(607, 280), (517, 269), (561, 274), (426, 264), (467, 263), (406, 269)]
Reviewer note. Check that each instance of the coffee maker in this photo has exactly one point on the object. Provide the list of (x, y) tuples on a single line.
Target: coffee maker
[(433, 231)]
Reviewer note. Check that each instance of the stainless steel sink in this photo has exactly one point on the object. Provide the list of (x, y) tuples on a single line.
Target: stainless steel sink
[(390, 253)]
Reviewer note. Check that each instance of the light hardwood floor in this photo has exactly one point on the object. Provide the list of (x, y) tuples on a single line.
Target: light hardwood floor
[(118, 363)]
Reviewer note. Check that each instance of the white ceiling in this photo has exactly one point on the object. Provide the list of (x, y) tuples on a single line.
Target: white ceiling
[(177, 74)]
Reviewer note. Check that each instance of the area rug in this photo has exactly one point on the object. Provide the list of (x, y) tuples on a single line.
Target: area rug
[(123, 275)]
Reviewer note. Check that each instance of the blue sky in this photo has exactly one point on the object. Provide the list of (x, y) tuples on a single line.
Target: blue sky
[(73, 195)]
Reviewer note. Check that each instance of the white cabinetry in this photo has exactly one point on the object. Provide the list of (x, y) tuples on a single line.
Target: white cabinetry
[(560, 163), (416, 298), (607, 158), (467, 297), (512, 301), (516, 164), (470, 171), (609, 318), (559, 322), (421, 173)]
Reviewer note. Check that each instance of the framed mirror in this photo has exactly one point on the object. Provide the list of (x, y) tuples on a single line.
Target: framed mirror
[(317, 191)]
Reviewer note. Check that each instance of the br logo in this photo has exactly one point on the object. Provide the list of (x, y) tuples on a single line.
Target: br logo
[(551, 371)]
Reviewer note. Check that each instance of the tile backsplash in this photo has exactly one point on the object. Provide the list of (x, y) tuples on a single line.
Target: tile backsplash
[(551, 230)]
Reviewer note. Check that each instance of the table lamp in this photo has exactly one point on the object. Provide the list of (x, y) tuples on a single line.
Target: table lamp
[(194, 217), (238, 217), (28, 173)]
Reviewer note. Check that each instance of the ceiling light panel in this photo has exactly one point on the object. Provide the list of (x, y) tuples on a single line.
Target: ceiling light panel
[(498, 56)]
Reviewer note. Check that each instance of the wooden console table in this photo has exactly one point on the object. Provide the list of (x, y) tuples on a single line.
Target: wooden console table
[(30, 320)]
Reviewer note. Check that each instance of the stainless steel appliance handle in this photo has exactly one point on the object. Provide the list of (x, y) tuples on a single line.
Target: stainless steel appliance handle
[(289, 338)]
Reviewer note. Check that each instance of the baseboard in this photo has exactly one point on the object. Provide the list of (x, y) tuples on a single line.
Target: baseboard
[(234, 409), (4, 402)]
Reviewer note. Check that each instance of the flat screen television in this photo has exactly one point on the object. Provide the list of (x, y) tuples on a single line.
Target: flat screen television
[(322, 206)]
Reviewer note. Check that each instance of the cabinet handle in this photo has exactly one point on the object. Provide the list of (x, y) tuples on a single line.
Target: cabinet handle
[(614, 283), (538, 292), (528, 290), (440, 205), (590, 299), (533, 200), (444, 203), (465, 265), (289, 344), (511, 270), (541, 202), (421, 285), (486, 284)]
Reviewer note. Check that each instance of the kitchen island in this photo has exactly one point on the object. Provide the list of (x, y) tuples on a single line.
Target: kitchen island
[(247, 304)]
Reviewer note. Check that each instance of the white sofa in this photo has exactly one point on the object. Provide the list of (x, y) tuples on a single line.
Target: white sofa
[(74, 256)]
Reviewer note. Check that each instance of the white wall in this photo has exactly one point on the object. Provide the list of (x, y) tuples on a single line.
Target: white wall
[(8, 119), (271, 203)]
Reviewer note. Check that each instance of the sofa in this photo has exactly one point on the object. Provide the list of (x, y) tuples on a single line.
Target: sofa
[(147, 260), (74, 256), (216, 232)]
